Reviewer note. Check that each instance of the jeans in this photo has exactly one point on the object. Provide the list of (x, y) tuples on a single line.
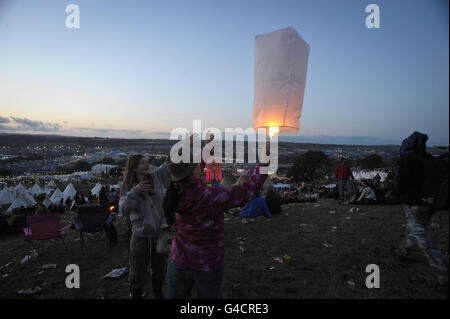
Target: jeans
[(180, 281), (142, 253), (347, 184), (419, 235)]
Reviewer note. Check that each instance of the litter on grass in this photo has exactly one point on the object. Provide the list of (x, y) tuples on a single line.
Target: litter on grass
[(117, 273)]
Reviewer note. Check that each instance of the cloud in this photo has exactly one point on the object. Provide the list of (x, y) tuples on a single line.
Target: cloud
[(66, 122), (4, 120), (108, 131), (37, 126)]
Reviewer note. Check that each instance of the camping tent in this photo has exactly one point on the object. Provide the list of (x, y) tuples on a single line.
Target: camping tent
[(69, 192), (6, 196), (27, 197), (57, 196), (18, 202), (36, 190), (96, 189), (51, 185), (19, 189), (282, 186), (47, 202)]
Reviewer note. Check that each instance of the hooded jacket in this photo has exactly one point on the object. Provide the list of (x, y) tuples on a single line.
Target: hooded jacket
[(146, 212)]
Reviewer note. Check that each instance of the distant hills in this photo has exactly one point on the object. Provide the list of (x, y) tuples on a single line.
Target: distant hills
[(8, 139)]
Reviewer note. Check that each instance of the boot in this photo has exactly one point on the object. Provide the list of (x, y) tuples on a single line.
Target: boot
[(158, 289), (136, 293)]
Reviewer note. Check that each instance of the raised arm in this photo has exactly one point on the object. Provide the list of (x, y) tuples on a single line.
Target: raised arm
[(222, 199)]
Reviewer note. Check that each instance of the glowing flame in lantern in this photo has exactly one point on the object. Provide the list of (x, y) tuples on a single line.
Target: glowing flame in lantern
[(273, 130)]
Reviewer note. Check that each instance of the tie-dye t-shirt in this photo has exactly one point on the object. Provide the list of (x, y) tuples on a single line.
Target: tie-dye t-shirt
[(199, 240)]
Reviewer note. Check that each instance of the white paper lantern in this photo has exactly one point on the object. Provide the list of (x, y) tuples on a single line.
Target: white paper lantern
[(281, 61)]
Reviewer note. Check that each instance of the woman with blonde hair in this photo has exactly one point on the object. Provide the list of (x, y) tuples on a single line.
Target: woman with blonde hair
[(141, 197)]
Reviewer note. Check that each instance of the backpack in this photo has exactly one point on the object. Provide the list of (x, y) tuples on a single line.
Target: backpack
[(274, 201), (422, 176)]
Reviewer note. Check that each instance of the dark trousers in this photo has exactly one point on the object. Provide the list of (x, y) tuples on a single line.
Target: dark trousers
[(143, 252), (180, 281)]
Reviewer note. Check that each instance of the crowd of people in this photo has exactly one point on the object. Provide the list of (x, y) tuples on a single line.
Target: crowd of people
[(172, 202)]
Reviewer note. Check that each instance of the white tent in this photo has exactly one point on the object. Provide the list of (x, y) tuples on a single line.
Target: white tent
[(369, 175), (6, 196), (69, 192), (51, 185), (47, 202), (96, 189), (57, 196), (18, 202), (19, 189), (36, 190), (28, 198), (282, 186), (281, 61)]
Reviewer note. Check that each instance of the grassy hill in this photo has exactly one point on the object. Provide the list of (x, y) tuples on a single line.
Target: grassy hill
[(369, 236)]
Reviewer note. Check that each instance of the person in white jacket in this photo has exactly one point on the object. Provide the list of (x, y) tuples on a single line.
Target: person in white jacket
[(141, 196), (367, 196)]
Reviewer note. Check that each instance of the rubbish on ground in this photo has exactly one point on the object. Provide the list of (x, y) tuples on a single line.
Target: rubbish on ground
[(5, 275), (10, 263), (226, 219), (333, 229), (286, 214), (244, 221), (287, 257), (317, 205), (358, 209), (269, 219), (351, 283), (278, 259), (76, 240), (25, 259), (403, 225), (49, 266), (41, 272), (30, 291), (242, 248), (332, 212), (348, 217), (272, 268), (435, 226), (327, 245), (303, 225), (252, 220), (116, 273), (351, 210)]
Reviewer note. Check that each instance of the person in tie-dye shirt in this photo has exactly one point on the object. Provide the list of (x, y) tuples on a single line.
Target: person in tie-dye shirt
[(197, 213)]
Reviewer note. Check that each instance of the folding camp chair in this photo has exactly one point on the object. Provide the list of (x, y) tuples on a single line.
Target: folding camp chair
[(92, 220), (44, 227)]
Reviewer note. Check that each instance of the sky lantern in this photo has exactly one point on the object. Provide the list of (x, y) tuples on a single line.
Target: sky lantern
[(281, 61)]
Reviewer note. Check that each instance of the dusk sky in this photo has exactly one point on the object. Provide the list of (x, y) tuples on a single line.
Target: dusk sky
[(139, 67)]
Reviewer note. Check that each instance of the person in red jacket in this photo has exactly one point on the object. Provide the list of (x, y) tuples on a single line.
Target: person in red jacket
[(342, 175)]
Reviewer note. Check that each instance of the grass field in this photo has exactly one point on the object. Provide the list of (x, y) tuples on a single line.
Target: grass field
[(369, 236)]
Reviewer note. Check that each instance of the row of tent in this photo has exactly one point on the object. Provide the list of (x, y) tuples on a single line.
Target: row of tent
[(19, 196)]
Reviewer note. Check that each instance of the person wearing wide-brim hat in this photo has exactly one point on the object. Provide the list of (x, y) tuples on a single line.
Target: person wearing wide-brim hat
[(197, 213)]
